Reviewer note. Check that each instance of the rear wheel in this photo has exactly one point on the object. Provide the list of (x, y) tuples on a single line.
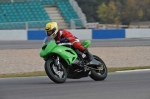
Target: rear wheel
[(56, 75), (101, 73)]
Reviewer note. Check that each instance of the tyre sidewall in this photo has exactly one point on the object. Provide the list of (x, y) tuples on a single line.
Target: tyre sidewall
[(94, 75), (51, 75)]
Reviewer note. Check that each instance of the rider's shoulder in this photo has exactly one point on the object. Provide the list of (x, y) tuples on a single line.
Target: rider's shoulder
[(64, 30)]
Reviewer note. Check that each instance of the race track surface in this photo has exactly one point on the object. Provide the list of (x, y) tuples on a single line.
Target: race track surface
[(95, 43), (130, 85)]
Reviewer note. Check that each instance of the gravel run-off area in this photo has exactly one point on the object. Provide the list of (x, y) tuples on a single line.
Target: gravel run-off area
[(28, 60)]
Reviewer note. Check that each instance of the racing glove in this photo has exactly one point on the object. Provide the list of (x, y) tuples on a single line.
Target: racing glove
[(64, 40)]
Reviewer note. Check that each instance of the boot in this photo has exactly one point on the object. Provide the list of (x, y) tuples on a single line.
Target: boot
[(88, 55), (90, 58)]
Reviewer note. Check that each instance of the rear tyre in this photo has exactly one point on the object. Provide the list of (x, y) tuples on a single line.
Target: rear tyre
[(99, 75), (57, 76)]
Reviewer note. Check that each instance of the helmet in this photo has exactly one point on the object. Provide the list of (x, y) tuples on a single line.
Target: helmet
[(51, 29)]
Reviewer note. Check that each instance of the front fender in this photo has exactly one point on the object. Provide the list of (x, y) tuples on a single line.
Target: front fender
[(66, 53)]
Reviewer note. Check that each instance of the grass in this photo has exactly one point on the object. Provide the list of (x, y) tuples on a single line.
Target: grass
[(42, 73)]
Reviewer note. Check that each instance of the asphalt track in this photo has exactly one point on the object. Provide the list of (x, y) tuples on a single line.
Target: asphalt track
[(95, 43), (129, 85)]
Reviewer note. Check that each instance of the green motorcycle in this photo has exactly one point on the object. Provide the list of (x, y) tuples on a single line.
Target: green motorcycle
[(62, 61)]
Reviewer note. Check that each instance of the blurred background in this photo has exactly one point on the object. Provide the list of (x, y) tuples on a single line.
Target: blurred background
[(74, 14), (34, 14)]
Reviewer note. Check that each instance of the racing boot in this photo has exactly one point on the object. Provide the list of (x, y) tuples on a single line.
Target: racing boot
[(90, 58), (88, 55)]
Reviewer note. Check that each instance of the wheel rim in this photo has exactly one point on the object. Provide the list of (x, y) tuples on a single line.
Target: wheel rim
[(57, 73), (101, 69)]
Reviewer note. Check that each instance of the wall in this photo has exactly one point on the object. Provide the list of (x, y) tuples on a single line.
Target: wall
[(137, 33), (40, 34), (36, 34), (108, 34), (13, 35), (81, 34)]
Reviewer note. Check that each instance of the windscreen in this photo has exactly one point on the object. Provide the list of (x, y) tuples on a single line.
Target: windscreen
[(46, 40)]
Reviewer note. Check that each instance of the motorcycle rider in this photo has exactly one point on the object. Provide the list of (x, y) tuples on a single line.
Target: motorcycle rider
[(53, 32)]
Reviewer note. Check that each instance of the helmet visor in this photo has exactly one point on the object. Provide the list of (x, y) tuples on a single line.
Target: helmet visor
[(49, 33)]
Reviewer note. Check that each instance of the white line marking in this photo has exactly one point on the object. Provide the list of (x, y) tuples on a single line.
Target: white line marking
[(137, 70)]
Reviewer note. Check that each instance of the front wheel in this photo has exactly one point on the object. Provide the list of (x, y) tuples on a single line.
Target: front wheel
[(58, 76), (99, 75)]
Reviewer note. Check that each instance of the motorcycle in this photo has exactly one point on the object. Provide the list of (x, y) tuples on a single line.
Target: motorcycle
[(62, 61)]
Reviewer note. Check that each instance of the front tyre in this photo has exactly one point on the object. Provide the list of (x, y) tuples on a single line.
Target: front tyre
[(99, 75), (57, 76)]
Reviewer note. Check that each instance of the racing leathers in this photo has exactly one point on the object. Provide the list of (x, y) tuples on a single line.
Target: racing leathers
[(66, 36)]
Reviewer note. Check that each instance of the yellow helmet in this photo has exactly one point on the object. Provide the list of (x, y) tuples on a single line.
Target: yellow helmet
[(51, 29)]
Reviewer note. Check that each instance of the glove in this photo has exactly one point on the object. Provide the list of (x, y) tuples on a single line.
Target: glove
[(64, 40)]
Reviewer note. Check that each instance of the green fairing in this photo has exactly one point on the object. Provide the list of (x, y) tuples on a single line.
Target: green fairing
[(49, 47), (66, 53), (86, 43)]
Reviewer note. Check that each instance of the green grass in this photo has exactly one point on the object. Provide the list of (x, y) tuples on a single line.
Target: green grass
[(42, 73)]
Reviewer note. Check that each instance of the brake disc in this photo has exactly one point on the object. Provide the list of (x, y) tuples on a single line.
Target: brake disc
[(57, 72)]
